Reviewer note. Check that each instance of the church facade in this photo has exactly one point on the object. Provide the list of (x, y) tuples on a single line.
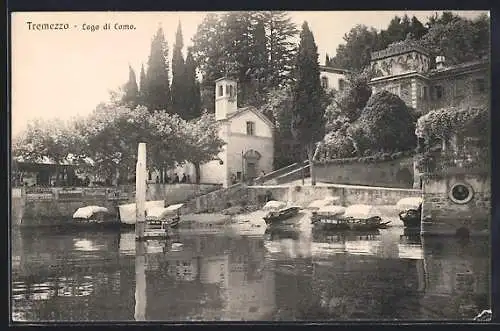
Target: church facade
[(249, 137)]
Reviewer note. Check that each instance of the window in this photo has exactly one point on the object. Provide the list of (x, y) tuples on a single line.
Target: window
[(231, 91), (324, 82), (341, 84), (480, 85), (227, 89), (424, 93), (250, 128), (459, 88), (438, 92), (221, 90)]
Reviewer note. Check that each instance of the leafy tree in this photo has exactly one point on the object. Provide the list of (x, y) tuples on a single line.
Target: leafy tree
[(337, 143), (44, 140), (192, 89), (209, 54), (355, 95), (131, 91), (458, 39), (417, 29), (386, 124), (178, 88), (355, 54), (278, 109), (157, 89), (308, 108), (281, 46), (256, 48), (48, 140), (202, 141), (258, 74)]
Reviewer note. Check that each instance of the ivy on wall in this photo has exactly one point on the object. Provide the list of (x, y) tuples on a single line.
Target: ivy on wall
[(441, 124), (375, 158)]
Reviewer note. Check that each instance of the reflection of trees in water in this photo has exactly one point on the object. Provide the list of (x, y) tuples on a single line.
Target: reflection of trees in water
[(68, 276)]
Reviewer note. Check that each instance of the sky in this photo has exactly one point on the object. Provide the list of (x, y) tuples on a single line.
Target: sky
[(66, 73)]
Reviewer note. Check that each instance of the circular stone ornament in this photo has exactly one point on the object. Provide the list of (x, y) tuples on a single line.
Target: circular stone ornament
[(461, 193)]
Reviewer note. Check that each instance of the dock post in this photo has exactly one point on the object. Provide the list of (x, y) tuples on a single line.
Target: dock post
[(140, 191)]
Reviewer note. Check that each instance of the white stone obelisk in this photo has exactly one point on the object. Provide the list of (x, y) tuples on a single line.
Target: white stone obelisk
[(140, 191)]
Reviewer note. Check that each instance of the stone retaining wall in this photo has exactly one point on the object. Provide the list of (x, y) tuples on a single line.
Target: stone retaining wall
[(298, 195), (440, 215)]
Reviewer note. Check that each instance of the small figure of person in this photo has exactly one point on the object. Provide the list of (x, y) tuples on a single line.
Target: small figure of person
[(157, 179), (176, 179), (188, 180), (184, 178)]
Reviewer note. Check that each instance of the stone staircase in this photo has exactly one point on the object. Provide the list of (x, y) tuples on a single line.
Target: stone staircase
[(284, 175)]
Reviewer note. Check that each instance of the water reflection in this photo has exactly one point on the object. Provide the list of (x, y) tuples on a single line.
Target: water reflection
[(287, 274)]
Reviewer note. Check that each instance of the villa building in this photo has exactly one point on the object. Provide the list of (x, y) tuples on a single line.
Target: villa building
[(405, 70), (332, 78), (457, 190)]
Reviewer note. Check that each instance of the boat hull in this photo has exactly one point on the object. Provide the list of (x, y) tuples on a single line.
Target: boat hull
[(279, 217), (327, 223), (410, 218)]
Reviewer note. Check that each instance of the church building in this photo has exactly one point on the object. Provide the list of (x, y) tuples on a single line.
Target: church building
[(249, 149)]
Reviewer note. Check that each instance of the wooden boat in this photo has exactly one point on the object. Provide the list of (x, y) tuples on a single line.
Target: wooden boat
[(94, 216), (355, 218), (410, 211), (349, 223), (127, 211), (411, 217), (159, 220), (276, 217)]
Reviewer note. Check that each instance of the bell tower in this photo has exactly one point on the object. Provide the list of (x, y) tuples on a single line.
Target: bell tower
[(226, 97)]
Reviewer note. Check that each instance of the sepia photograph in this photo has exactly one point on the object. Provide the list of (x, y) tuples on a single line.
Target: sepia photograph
[(258, 166)]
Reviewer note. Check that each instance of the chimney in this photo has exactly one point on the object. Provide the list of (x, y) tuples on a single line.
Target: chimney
[(440, 61)]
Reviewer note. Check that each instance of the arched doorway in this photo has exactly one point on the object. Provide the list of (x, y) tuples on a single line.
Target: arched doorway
[(251, 158)]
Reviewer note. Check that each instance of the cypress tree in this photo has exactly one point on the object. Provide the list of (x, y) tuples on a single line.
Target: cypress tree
[(157, 82), (308, 123), (131, 95), (142, 86), (178, 76), (192, 89)]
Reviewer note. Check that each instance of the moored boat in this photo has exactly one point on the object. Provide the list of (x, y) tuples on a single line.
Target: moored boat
[(159, 220), (127, 211), (277, 217), (411, 217), (354, 218), (94, 216)]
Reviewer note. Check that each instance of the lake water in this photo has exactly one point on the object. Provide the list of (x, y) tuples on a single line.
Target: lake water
[(285, 275)]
